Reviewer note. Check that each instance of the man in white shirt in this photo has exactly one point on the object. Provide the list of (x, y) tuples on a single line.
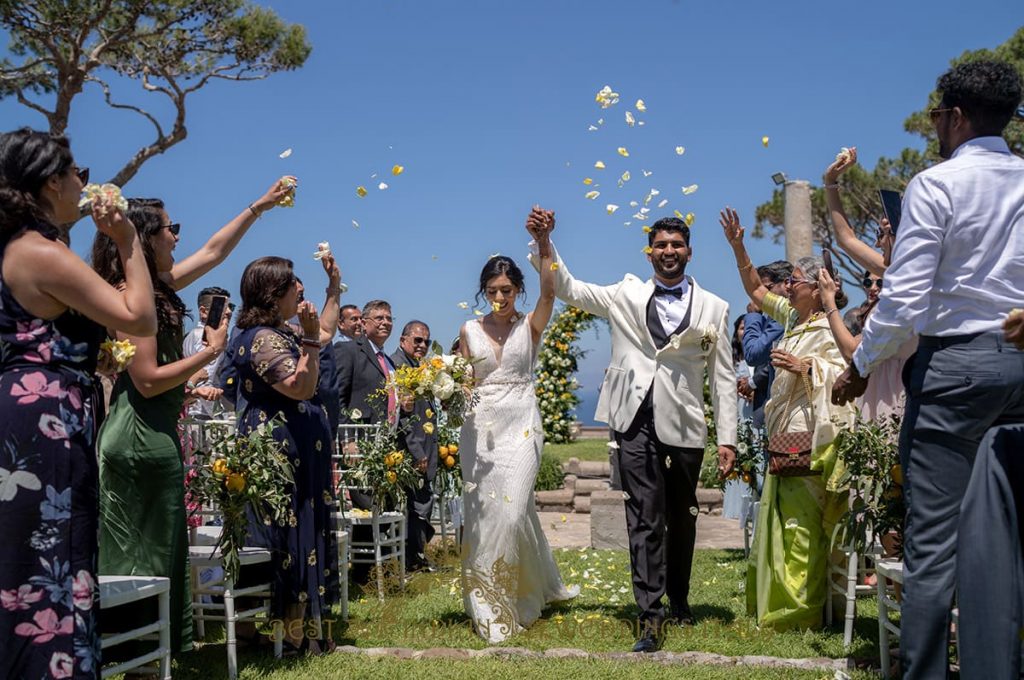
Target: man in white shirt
[(957, 272), (193, 343)]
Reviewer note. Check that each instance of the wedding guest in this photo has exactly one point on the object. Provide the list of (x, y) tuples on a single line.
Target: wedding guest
[(53, 308), (278, 374), (787, 578), (957, 271), (885, 395), (421, 444), (194, 344), (142, 510), (326, 391), (733, 498), (350, 323), (760, 333)]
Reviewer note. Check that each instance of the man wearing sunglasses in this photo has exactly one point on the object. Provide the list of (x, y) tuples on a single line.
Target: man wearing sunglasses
[(957, 271), (422, 446)]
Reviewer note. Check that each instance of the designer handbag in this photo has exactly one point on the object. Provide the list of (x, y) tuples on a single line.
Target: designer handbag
[(789, 453)]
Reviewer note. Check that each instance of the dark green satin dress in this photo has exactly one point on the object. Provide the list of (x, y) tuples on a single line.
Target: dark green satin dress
[(142, 494)]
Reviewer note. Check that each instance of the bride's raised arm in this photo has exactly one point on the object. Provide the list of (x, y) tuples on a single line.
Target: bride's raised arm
[(541, 223)]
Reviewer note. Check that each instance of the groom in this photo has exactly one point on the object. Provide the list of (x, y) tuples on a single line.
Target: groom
[(665, 332)]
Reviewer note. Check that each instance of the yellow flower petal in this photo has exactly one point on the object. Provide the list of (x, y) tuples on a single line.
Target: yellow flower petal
[(689, 219), (397, 170), (647, 250), (588, 181), (554, 266), (640, 106), (592, 195), (361, 191), (496, 306), (680, 150), (623, 152), (678, 214), (647, 229), (599, 165), (764, 141), (689, 189), (611, 208), (428, 428), (463, 305), (626, 176), (478, 312), (526, 433), (605, 97)]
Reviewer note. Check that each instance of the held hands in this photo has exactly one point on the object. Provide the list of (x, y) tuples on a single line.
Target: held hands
[(540, 223), (730, 222), (844, 162), (274, 194), (309, 320), (786, 361)]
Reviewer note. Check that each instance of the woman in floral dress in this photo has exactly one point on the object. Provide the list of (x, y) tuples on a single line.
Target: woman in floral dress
[(48, 349)]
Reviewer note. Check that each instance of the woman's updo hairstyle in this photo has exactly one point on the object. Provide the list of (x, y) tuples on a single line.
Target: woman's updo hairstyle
[(500, 265), (27, 159)]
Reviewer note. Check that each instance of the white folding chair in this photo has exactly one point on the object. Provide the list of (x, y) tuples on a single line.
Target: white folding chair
[(118, 590)]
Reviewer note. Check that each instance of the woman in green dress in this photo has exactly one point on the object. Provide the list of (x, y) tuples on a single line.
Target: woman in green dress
[(142, 507), (787, 578)]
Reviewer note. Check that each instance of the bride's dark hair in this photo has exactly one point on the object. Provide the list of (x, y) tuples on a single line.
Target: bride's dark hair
[(497, 266)]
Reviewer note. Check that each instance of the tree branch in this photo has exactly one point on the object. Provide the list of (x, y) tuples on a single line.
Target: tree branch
[(127, 107), (25, 101)]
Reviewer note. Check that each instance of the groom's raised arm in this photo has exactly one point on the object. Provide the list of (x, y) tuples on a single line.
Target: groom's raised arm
[(589, 297)]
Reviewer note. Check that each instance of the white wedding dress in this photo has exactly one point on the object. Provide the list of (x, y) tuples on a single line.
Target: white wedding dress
[(508, 571)]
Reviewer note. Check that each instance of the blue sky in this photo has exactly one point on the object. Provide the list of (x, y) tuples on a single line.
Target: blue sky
[(487, 105)]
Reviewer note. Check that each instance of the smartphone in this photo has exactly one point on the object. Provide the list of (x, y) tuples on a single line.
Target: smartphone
[(892, 205), (216, 313), (826, 257)]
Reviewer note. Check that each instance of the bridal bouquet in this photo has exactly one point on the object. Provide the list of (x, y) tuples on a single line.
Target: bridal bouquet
[(448, 378), (238, 472)]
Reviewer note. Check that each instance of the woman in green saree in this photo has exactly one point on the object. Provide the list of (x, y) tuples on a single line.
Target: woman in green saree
[(787, 575)]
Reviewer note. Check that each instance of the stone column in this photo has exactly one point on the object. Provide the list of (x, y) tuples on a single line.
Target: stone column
[(797, 220)]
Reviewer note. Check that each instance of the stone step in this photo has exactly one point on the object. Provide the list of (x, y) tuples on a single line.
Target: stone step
[(709, 499), (608, 521), (585, 487), (581, 504), (588, 468)]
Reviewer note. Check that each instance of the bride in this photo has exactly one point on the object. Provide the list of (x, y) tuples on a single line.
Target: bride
[(508, 572)]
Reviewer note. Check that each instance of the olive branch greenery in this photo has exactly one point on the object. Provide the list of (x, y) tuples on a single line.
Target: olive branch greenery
[(556, 366)]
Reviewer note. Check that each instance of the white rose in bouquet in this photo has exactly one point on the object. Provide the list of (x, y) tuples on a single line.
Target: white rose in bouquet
[(443, 387)]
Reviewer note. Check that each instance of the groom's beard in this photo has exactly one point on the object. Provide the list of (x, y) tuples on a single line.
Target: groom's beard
[(674, 269)]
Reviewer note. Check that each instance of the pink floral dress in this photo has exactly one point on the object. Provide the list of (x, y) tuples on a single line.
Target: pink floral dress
[(49, 598)]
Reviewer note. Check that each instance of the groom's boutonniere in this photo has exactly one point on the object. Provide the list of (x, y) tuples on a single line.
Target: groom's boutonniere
[(708, 338)]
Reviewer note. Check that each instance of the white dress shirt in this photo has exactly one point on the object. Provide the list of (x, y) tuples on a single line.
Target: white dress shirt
[(670, 310), (958, 262)]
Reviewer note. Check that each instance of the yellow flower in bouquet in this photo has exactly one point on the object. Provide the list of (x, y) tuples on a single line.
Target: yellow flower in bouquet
[(392, 477), (104, 195), (119, 352), (235, 482), (220, 466)]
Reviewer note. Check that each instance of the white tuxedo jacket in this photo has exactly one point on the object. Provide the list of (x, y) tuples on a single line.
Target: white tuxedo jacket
[(676, 370)]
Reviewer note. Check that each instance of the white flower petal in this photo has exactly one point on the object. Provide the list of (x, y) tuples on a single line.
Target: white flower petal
[(284, 154), (592, 194), (611, 208), (382, 186), (662, 203), (687, 190), (680, 150)]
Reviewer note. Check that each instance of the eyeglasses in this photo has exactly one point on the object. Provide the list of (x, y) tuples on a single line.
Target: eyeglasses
[(869, 283), (380, 319), (420, 341), (174, 228), (792, 281), (83, 175), (935, 113)]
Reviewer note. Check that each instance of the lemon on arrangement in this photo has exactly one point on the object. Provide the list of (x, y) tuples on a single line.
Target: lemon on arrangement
[(235, 482), (220, 466), (443, 450), (453, 449), (392, 477), (449, 462), (897, 474)]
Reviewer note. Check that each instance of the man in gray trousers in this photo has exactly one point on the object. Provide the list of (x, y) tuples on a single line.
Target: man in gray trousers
[(957, 272)]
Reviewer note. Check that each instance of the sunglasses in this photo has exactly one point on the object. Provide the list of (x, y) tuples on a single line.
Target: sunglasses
[(174, 228), (869, 283), (420, 341), (83, 175), (935, 113), (792, 281)]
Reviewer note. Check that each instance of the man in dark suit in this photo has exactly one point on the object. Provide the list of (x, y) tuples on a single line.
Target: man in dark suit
[(419, 438), (361, 369)]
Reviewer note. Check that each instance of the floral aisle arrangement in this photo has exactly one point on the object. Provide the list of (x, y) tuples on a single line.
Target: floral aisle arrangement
[(556, 366), (449, 468), (870, 452), (749, 444), (444, 378), (239, 472), (382, 469)]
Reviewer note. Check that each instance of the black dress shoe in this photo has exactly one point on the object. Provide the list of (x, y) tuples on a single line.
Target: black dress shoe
[(647, 643), (682, 617), (423, 566)]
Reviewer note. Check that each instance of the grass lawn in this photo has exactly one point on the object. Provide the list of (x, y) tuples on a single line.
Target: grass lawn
[(584, 449), (430, 614)]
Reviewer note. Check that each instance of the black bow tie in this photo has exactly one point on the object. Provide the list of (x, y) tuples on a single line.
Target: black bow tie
[(677, 293)]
